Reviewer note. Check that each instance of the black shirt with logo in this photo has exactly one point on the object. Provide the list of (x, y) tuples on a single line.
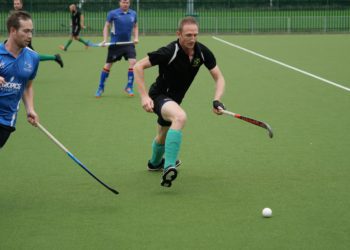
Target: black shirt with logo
[(75, 16), (176, 71)]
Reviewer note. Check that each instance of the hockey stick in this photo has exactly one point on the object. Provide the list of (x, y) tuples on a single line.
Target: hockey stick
[(74, 158), (108, 44), (252, 121)]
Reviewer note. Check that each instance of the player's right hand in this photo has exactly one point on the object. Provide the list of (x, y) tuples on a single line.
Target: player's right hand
[(147, 104), (2, 80)]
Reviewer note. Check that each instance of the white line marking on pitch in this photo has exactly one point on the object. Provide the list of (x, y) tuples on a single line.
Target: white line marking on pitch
[(283, 64)]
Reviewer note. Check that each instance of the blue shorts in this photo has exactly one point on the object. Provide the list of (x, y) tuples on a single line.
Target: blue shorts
[(116, 52), (158, 102)]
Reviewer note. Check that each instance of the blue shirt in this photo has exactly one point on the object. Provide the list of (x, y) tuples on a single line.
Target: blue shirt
[(122, 24), (17, 72)]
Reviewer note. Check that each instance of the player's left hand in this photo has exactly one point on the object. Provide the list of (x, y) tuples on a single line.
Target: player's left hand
[(136, 41), (218, 107)]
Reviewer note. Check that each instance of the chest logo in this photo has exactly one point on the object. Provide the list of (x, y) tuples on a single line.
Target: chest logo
[(196, 62), (27, 66)]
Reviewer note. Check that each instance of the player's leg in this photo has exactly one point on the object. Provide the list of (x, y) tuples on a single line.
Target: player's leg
[(68, 43), (158, 148), (130, 54), (130, 84), (57, 58), (74, 34), (171, 120), (111, 58), (171, 111), (103, 78), (83, 41), (43, 57)]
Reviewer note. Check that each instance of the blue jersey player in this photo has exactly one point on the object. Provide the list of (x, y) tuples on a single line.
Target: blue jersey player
[(18, 68), (120, 23), (18, 5)]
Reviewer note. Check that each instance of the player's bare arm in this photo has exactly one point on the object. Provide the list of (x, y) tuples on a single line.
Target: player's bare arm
[(139, 68), (136, 33), (106, 30), (28, 100), (220, 86)]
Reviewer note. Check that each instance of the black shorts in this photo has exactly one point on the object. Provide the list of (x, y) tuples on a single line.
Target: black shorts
[(158, 102), (116, 52), (75, 30), (5, 132)]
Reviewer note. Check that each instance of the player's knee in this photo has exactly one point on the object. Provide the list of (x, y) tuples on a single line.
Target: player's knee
[(181, 118), (132, 63), (160, 138)]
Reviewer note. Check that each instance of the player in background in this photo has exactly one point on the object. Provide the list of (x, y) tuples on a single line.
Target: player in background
[(120, 23), (77, 23), (18, 68), (178, 63), (18, 5)]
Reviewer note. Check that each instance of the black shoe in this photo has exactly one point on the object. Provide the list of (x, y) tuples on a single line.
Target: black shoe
[(160, 166), (58, 59), (169, 175)]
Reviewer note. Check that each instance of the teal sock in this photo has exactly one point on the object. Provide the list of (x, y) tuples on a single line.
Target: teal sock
[(67, 44), (43, 57), (157, 153), (83, 41), (172, 147)]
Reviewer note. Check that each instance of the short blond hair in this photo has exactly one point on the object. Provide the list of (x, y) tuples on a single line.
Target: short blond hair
[(187, 20)]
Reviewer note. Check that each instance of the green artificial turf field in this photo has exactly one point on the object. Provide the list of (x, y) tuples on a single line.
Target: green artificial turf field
[(231, 170)]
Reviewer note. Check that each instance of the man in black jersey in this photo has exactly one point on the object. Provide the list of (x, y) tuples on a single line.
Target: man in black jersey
[(77, 23), (18, 5), (178, 64)]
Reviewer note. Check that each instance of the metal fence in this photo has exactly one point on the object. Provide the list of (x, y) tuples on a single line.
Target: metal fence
[(214, 17)]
